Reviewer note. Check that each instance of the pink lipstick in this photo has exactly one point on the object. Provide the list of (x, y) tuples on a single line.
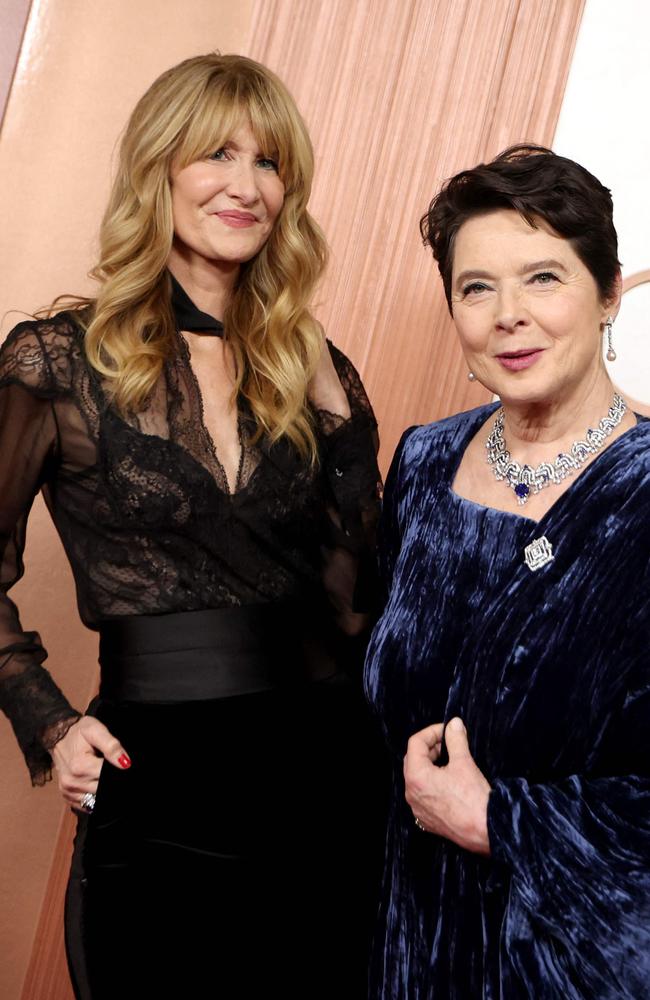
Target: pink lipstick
[(238, 220), (516, 361)]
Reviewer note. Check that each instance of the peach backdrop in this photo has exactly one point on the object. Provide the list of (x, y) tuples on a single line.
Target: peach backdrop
[(397, 97), (82, 66)]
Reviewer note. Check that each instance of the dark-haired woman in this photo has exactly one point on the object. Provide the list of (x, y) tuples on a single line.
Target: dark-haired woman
[(209, 462), (511, 666)]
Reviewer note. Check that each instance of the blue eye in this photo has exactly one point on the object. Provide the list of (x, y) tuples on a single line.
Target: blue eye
[(474, 288), (266, 163), (219, 154), (544, 278)]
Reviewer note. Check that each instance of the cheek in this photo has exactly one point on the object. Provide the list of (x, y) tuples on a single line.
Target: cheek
[(187, 202), (181, 217), (572, 326), (274, 199), (473, 331), (558, 318), (194, 187), (178, 210), (181, 199)]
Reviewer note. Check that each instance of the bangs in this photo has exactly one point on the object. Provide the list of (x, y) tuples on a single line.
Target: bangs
[(227, 104)]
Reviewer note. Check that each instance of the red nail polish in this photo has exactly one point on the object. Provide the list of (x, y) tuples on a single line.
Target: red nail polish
[(124, 761)]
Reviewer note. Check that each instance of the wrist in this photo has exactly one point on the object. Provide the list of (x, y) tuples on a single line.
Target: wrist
[(55, 732), (478, 838)]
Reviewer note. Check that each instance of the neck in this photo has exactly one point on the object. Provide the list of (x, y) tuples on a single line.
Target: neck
[(532, 429), (209, 284)]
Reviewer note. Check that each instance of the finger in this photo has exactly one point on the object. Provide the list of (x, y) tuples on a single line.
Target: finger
[(73, 790), (101, 739), (74, 793), (81, 770), (435, 752), (73, 799), (419, 822), (86, 761), (426, 739), (456, 739), (84, 802)]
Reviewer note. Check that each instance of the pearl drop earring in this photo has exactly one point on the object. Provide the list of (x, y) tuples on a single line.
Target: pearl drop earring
[(611, 353)]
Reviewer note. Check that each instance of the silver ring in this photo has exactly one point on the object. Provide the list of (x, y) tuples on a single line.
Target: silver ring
[(88, 802), (420, 825)]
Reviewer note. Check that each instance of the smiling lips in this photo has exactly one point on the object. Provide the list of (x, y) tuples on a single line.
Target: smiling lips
[(516, 361), (237, 220)]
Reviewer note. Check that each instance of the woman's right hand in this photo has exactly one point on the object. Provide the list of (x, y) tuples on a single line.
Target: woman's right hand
[(78, 761)]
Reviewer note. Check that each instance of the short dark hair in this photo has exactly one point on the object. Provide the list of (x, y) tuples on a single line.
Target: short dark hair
[(533, 181)]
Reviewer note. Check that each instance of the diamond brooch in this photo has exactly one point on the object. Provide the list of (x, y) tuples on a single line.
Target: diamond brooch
[(538, 553)]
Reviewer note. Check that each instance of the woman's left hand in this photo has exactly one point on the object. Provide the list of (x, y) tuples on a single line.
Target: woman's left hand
[(450, 801), (325, 391)]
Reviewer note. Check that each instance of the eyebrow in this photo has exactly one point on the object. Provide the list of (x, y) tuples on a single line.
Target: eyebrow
[(536, 265), (272, 154)]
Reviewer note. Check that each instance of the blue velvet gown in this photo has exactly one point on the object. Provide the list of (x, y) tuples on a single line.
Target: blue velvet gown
[(550, 671)]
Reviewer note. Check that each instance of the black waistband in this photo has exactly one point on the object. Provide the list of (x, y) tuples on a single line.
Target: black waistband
[(196, 655)]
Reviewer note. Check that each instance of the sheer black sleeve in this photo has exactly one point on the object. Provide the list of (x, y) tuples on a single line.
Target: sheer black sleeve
[(39, 713), (349, 455)]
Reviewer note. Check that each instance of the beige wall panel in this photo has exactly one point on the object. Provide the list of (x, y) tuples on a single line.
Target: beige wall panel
[(82, 66), (13, 17), (399, 96)]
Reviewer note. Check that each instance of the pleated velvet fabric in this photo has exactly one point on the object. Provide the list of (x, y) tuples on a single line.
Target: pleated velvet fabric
[(550, 670)]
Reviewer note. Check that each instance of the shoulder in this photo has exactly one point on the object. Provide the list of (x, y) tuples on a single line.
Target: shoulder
[(427, 454), (624, 466), (342, 363), (40, 354), (351, 382), (640, 439), (442, 440), (625, 477)]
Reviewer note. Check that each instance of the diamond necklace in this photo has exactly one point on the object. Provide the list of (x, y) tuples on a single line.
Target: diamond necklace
[(523, 479)]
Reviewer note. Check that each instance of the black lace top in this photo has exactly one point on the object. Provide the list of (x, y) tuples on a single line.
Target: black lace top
[(144, 511)]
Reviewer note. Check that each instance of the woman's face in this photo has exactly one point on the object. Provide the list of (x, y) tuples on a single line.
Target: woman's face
[(224, 207), (527, 310)]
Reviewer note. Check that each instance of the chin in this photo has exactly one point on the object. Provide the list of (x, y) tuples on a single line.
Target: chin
[(531, 398), (522, 392), (233, 257)]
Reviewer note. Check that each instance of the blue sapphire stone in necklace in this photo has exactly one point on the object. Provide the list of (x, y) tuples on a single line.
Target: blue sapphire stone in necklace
[(523, 479)]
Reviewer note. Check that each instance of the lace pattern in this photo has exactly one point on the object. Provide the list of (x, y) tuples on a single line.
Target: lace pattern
[(144, 512)]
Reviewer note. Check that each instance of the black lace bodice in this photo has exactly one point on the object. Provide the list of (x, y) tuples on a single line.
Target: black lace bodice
[(144, 511)]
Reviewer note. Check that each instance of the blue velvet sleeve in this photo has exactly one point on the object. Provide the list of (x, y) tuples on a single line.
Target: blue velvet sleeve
[(389, 534), (577, 851)]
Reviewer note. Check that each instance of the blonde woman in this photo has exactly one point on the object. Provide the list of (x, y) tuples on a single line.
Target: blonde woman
[(209, 462)]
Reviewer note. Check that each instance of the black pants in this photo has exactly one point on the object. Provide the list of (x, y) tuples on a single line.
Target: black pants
[(241, 854)]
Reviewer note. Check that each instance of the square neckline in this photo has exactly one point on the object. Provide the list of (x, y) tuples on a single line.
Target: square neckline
[(570, 490)]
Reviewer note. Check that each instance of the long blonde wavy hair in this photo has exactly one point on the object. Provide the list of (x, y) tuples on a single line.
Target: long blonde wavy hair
[(187, 113)]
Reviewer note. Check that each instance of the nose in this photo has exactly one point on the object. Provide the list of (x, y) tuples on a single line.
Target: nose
[(242, 182), (511, 314)]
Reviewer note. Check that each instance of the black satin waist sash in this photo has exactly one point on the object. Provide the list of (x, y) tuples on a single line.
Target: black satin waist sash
[(197, 655)]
